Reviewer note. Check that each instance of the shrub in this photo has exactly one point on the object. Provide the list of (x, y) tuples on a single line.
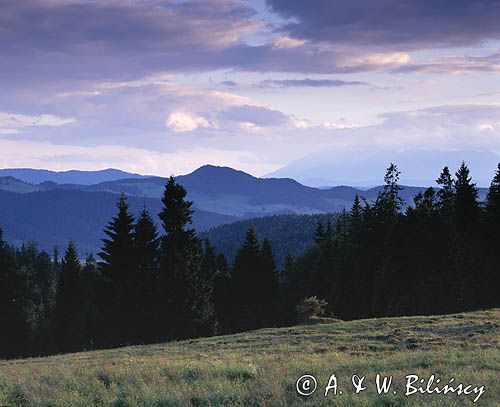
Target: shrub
[(311, 307)]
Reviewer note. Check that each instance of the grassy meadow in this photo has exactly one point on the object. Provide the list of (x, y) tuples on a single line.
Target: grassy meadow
[(260, 368)]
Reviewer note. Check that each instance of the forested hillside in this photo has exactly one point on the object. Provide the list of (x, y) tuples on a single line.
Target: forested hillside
[(52, 218), (52, 213), (154, 283), (288, 234)]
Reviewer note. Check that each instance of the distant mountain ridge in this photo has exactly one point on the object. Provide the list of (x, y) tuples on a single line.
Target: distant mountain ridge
[(52, 213), (231, 192), (363, 167), (36, 176), (54, 217)]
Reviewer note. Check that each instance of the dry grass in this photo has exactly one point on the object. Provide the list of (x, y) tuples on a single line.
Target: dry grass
[(260, 368)]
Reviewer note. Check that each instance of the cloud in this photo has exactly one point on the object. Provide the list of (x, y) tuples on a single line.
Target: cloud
[(85, 40), (455, 65), (11, 123), (61, 43), (231, 84), (180, 122), (34, 154), (420, 141), (256, 115), (309, 83), (391, 24)]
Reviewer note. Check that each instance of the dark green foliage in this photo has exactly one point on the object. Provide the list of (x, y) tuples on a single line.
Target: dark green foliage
[(379, 259), (222, 295), (309, 308), (183, 301), (287, 234), (490, 277), (146, 244), (70, 314), (432, 258), (244, 284), (13, 320), (119, 268), (52, 218), (254, 285)]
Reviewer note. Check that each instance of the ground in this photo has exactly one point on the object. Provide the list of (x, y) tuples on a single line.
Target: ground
[(261, 368)]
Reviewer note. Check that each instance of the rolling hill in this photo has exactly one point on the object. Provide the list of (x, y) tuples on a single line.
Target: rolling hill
[(35, 176), (52, 213), (227, 191), (52, 218), (287, 234), (261, 368)]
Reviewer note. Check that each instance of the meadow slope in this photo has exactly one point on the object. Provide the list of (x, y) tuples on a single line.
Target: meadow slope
[(260, 368)]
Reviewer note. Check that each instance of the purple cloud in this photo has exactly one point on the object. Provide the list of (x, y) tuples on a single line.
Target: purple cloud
[(391, 24), (260, 116), (309, 83)]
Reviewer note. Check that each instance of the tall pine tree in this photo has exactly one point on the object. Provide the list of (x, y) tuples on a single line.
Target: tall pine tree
[(146, 245), (490, 279), (70, 314), (119, 267), (14, 337), (245, 285), (464, 255), (180, 258)]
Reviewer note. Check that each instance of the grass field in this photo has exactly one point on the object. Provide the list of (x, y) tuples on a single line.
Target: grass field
[(261, 368)]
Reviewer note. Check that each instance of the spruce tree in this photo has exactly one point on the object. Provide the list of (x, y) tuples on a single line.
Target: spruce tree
[(180, 258), (446, 193), (245, 284), (292, 288), (466, 195), (222, 295), (205, 291), (91, 280), (146, 246), (118, 265), (389, 203), (387, 211), (269, 311), (490, 279), (70, 318), (319, 233), (493, 198), (14, 337), (464, 256)]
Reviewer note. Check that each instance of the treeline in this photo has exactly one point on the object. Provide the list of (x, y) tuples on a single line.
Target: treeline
[(439, 255), (287, 233), (148, 287)]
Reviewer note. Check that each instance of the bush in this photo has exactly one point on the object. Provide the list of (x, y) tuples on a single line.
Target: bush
[(311, 307)]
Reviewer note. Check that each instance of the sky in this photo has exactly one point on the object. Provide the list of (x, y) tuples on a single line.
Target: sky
[(164, 86)]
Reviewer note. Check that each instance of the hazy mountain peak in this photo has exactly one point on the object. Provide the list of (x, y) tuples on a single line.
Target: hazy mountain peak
[(366, 168), (38, 176), (216, 171)]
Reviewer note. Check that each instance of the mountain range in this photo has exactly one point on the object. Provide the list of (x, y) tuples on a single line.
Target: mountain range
[(52, 213), (361, 167), (36, 176)]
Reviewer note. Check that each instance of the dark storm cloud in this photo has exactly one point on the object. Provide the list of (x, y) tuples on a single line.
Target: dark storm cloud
[(392, 24), (309, 83)]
